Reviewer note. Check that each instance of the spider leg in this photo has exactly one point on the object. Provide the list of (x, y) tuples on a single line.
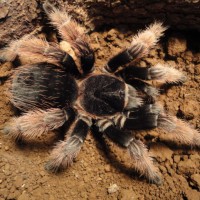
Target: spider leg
[(132, 98), (159, 72), (148, 92), (140, 46), (152, 116), (39, 50), (145, 117), (35, 123), (143, 161), (65, 151), (72, 33), (9, 53), (178, 130)]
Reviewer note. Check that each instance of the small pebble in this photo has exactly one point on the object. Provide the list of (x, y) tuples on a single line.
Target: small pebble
[(107, 168), (6, 148), (113, 188)]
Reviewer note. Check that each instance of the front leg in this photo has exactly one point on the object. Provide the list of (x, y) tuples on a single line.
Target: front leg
[(72, 33), (140, 46), (39, 50)]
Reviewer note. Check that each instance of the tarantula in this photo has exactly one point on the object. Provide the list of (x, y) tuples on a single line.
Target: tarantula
[(117, 100)]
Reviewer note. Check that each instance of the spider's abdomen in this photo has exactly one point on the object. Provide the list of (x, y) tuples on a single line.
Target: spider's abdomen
[(42, 85), (103, 95)]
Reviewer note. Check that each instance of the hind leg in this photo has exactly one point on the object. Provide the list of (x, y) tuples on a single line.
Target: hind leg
[(35, 123), (142, 159), (65, 151), (178, 131)]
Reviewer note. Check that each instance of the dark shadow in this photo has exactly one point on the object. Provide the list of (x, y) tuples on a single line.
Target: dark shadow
[(174, 146), (119, 166), (3, 79), (112, 158), (167, 86)]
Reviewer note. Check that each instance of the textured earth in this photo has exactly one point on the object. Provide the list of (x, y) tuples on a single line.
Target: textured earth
[(103, 170)]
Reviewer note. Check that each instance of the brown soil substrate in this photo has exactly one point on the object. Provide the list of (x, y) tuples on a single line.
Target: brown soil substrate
[(102, 170), (19, 17)]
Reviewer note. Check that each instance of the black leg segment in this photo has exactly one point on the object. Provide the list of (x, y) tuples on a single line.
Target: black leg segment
[(65, 151), (74, 34), (115, 134), (87, 58), (140, 46), (134, 72), (142, 160), (149, 92), (159, 72), (80, 130), (145, 117), (124, 57), (70, 65)]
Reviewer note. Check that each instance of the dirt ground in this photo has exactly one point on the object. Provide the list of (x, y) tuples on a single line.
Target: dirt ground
[(102, 170)]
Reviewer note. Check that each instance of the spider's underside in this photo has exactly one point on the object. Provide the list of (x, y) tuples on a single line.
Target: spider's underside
[(116, 101)]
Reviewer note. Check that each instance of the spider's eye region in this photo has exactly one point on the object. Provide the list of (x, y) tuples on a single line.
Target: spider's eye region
[(121, 93)]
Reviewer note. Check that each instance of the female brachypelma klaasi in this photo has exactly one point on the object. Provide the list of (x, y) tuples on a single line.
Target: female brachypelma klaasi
[(117, 101)]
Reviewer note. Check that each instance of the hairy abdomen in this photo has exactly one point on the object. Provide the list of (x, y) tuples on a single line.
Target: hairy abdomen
[(42, 85)]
